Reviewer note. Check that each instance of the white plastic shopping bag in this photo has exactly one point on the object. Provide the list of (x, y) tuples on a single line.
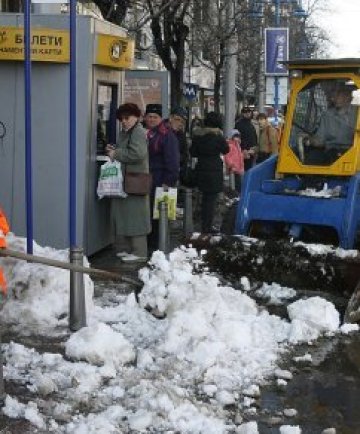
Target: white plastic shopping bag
[(110, 182), (170, 197)]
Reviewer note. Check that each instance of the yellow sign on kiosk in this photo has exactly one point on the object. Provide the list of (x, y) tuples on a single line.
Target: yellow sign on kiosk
[(115, 51), (47, 45)]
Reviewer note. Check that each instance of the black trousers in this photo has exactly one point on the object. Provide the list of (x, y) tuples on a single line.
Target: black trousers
[(207, 211), (248, 163), (153, 237)]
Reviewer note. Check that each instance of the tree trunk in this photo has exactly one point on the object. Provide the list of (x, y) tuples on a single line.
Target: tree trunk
[(217, 87), (176, 87)]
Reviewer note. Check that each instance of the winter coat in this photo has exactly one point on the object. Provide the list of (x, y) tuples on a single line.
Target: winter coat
[(164, 156), (234, 159), (183, 145), (131, 215), (248, 133), (268, 140), (207, 146)]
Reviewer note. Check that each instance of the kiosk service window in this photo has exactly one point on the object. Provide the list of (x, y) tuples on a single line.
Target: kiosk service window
[(106, 116)]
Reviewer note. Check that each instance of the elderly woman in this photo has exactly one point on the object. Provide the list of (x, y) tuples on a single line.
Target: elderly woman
[(131, 215)]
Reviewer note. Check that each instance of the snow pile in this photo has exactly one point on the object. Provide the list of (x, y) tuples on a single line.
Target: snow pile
[(100, 345), (214, 348), (290, 429), (322, 249), (349, 328), (38, 294), (248, 428), (15, 409), (312, 317), (275, 293), (104, 422), (202, 316)]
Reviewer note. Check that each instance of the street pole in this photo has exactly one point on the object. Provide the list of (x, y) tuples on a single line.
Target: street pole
[(276, 78), (261, 102), (28, 128), (77, 308), (230, 72)]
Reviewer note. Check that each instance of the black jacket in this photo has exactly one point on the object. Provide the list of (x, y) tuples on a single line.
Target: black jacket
[(248, 133), (207, 146)]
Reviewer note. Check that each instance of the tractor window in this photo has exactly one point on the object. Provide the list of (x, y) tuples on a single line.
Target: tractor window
[(324, 121)]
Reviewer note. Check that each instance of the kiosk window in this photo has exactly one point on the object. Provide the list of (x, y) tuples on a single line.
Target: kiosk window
[(106, 115)]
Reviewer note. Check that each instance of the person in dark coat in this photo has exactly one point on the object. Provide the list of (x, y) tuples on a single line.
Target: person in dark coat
[(207, 146), (178, 118), (164, 159), (164, 155), (177, 122), (249, 141)]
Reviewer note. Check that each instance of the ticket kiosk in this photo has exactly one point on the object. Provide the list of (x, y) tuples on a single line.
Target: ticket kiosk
[(103, 53)]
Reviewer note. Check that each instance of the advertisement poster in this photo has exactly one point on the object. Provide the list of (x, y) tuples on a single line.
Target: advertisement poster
[(143, 91), (276, 51)]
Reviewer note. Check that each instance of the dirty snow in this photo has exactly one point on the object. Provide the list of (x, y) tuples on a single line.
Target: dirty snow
[(324, 193), (274, 293), (322, 249), (214, 348)]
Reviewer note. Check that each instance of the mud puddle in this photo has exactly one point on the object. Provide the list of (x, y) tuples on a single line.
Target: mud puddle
[(324, 393)]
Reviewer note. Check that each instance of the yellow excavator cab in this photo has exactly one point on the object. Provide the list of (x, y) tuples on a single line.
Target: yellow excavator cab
[(322, 122)]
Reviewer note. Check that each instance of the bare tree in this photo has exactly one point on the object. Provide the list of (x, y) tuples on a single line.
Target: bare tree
[(212, 32), (170, 22), (170, 32), (113, 10), (169, 29)]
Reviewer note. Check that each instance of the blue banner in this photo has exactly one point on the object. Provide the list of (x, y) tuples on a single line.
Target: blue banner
[(276, 50)]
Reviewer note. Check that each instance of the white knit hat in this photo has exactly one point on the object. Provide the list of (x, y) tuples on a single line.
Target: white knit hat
[(234, 133)]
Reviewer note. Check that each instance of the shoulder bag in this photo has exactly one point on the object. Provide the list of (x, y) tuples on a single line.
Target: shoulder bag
[(135, 183), (138, 184)]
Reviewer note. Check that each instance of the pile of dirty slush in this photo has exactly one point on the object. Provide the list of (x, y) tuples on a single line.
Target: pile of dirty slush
[(295, 265)]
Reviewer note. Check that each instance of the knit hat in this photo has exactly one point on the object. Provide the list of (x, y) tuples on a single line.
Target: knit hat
[(154, 108), (179, 111), (246, 109), (234, 133)]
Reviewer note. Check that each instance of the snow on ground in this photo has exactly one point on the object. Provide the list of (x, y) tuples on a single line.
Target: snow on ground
[(38, 293), (322, 249), (274, 293), (130, 372)]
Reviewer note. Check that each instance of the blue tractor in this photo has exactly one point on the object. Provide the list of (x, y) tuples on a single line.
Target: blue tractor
[(312, 188)]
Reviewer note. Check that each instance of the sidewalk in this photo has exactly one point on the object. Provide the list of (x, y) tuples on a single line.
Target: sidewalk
[(106, 259)]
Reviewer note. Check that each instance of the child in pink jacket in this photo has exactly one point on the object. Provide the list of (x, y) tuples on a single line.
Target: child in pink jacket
[(234, 159)]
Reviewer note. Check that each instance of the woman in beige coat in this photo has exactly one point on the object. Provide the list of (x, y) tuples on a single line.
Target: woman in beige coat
[(131, 215), (268, 139)]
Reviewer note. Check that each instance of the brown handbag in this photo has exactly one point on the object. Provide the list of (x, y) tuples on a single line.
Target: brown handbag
[(135, 183), (138, 184)]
